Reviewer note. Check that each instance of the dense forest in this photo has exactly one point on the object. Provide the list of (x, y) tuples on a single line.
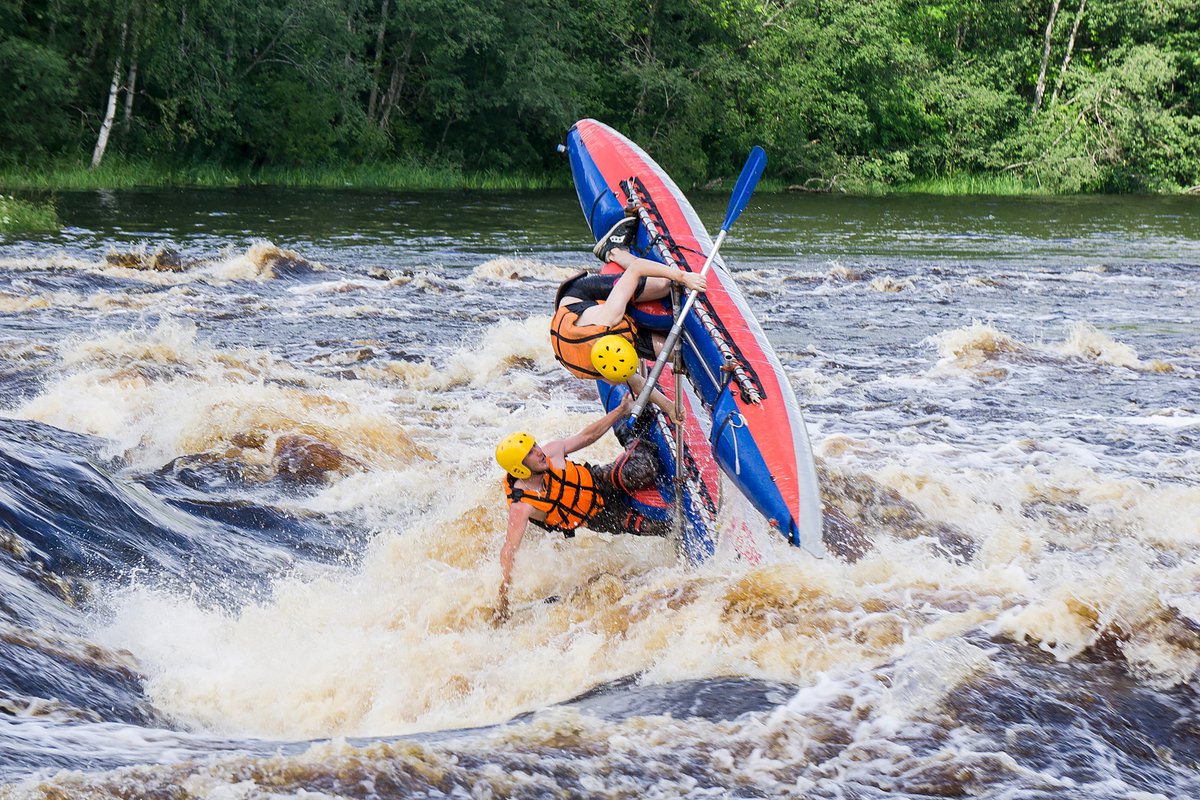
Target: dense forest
[(1074, 95)]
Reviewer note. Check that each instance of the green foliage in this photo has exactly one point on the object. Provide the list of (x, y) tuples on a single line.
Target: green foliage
[(289, 123), (972, 112), (844, 96), (973, 184), (23, 216), (1115, 132), (35, 87), (118, 173)]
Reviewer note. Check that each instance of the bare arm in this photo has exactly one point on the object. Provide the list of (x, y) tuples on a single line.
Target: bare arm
[(637, 382), (593, 432), (518, 522)]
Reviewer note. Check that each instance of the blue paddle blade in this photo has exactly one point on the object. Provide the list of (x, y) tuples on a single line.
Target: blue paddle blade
[(745, 185)]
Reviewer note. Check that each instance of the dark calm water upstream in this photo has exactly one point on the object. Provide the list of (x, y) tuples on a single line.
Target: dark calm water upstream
[(250, 521)]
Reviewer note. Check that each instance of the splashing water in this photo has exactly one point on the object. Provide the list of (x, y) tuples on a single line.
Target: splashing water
[(257, 501)]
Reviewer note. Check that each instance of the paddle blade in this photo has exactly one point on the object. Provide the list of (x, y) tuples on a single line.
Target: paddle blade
[(745, 185)]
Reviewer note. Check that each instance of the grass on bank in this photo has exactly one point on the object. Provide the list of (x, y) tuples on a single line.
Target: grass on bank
[(956, 185), (948, 185), (23, 216), (120, 174)]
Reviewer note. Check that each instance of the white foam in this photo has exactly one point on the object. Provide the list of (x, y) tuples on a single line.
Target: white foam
[(155, 394), (507, 268)]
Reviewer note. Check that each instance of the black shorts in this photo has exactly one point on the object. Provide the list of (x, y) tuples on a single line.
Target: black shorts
[(618, 516), (590, 289), (593, 287)]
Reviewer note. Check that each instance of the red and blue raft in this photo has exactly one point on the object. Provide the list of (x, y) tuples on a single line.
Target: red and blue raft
[(743, 413)]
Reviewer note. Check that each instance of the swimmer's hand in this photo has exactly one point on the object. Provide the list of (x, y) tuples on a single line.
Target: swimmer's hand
[(501, 613)]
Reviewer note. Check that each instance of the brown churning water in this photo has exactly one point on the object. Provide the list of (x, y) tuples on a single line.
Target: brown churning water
[(270, 510)]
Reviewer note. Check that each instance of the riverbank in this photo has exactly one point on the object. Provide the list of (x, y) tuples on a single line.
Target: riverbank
[(119, 174)]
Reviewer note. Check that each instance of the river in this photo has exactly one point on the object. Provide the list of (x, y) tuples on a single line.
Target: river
[(251, 518)]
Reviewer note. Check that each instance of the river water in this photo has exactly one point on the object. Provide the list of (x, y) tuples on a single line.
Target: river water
[(251, 520)]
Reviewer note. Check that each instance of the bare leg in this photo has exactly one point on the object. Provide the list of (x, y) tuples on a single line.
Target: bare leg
[(656, 288), (657, 340)]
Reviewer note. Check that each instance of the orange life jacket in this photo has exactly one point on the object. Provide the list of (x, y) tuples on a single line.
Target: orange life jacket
[(568, 497), (572, 342)]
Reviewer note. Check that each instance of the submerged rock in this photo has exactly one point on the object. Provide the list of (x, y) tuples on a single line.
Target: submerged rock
[(164, 259), (844, 539), (860, 502), (300, 458)]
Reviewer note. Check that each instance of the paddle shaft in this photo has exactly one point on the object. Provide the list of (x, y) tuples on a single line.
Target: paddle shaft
[(677, 366), (673, 337)]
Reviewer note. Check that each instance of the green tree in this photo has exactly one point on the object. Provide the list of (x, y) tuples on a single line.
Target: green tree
[(1078, 94)]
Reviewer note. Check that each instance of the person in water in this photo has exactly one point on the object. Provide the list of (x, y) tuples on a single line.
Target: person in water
[(589, 307), (554, 493)]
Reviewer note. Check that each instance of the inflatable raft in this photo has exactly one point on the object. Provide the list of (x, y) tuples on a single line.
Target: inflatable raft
[(742, 410)]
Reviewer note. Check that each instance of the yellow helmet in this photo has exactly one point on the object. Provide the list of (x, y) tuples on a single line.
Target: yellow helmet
[(512, 451), (614, 358)]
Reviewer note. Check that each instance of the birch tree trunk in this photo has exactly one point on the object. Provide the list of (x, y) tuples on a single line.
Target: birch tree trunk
[(396, 85), (135, 29), (1062, 73), (378, 62), (130, 85), (1041, 81), (110, 112)]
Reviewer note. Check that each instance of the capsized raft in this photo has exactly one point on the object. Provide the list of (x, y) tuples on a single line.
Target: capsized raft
[(751, 418)]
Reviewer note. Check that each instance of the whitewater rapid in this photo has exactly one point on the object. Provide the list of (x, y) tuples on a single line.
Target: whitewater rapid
[(1016, 438)]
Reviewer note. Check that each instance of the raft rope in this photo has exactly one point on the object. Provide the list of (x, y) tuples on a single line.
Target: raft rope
[(733, 426), (592, 213), (747, 383)]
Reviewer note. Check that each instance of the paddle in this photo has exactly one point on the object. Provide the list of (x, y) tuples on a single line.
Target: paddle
[(746, 183)]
